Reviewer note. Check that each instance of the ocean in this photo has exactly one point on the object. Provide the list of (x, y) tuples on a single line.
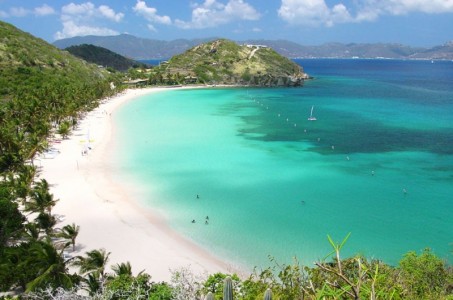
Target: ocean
[(260, 180)]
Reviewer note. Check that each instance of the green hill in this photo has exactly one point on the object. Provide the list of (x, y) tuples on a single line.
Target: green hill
[(42, 89), (225, 62), (29, 62), (104, 57)]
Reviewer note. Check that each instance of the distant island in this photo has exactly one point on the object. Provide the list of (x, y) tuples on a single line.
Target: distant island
[(225, 62), (142, 48)]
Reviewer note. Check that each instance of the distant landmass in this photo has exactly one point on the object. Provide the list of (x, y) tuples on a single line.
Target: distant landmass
[(103, 57), (225, 62), (142, 49), (133, 47)]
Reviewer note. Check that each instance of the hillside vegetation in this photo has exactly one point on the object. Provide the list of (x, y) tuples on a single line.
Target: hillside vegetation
[(225, 62), (44, 93), (103, 57), (41, 88), (30, 63)]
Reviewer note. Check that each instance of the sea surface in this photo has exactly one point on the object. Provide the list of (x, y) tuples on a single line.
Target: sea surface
[(377, 162)]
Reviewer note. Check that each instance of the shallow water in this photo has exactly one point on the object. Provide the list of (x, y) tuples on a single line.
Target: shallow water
[(378, 162)]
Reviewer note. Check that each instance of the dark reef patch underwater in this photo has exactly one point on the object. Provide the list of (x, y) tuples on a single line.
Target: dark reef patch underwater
[(377, 162)]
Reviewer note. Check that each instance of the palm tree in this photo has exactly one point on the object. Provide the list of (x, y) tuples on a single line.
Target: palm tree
[(12, 145), (46, 222), (41, 199), (122, 269), (20, 183), (93, 284), (64, 129), (94, 262), (11, 220), (32, 232), (39, 144), (49, 267), (69, 232)]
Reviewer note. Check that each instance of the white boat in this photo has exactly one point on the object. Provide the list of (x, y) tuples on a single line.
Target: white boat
[(311, 118)]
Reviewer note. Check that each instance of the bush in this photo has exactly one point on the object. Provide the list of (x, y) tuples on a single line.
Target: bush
[(424, 276)]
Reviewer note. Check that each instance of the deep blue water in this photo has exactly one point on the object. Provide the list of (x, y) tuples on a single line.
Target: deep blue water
[(378, 162), (152, 62)]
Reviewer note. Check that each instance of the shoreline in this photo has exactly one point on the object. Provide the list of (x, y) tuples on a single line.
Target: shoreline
[(109, 215)]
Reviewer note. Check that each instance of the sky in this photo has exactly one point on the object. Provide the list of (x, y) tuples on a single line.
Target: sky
[(424, 23)]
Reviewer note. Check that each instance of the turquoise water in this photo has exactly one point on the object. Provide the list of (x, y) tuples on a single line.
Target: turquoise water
[(274, 183)]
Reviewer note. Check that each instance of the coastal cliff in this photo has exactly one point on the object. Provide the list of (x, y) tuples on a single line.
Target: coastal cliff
[(225, 62)]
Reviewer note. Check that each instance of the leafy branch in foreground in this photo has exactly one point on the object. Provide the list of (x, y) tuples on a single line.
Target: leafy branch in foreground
[(354, 278)]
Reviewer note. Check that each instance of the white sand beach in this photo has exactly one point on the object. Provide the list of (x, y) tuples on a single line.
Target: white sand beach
[(107, 214)]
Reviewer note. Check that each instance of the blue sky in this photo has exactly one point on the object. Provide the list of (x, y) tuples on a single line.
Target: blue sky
[(308, 22)]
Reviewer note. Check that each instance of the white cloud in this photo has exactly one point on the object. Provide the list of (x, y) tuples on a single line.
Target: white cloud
[(86, 8), (89, 10), (44, 10), (110, 13), (212, 13), (317, 12), (150, 14), (401, 7), (151, 28), (83, 19), (71, 29), (313, 12), (18, 12)]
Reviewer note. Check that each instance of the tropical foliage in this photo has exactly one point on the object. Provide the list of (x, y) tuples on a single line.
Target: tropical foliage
[(43, 94)]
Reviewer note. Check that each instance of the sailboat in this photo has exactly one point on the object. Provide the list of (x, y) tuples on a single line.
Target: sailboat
[(311, 118)]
